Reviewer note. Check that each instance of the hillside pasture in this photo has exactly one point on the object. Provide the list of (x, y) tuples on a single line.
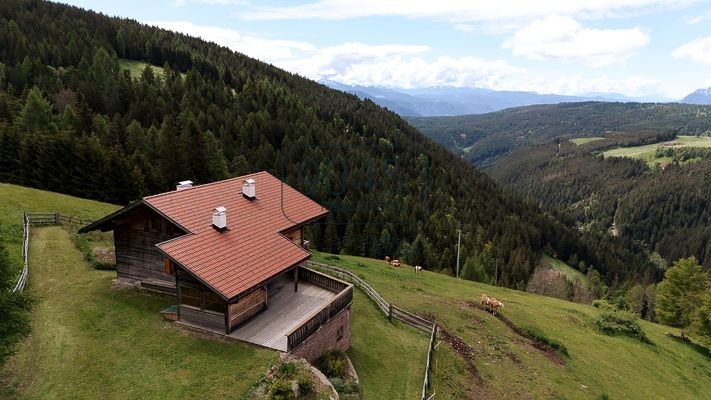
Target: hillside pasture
[(648, 153), (570, 273), (14, 200), (136, 68), (585, 140), (482, 357)]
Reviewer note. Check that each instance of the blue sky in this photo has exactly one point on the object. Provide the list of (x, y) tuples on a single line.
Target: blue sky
[(655, 49)]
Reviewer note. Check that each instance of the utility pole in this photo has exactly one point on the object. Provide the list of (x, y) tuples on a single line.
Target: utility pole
[(459, 244)]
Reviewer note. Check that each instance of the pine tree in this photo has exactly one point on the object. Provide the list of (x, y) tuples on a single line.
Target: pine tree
[(36, 115)]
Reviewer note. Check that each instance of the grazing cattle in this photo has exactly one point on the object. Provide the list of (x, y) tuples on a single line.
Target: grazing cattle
[(496, 307), (387, 259), (395, 263), (418, 268), (484, 302)]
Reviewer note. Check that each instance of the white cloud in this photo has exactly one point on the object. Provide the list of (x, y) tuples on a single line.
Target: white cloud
[(693, 20), (460, 10), (405, 66), (180, 3), (698, 50), (260, 48), (557, 37)]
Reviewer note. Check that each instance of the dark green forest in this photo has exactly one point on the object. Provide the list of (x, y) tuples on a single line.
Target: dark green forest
[(72, 121), (662, 210), (483, 139)]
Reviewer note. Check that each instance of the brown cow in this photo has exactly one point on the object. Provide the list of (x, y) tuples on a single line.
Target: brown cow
[(395, 263), (387, 259)]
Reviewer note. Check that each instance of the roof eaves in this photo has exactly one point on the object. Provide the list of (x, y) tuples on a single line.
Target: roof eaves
[(97, 224), (219, 293)]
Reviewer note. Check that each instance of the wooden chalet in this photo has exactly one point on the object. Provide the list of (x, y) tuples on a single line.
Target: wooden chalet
[(233, 254)]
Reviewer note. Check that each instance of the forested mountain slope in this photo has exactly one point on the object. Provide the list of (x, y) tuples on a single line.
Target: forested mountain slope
[(483, 139), (665, 210), (72, 121)]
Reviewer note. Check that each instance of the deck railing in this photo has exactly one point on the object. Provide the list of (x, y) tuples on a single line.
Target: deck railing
[(319, 279), (391, 311), (319, 318)]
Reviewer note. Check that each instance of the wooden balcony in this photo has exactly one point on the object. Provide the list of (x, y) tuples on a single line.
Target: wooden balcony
[(292, 316)]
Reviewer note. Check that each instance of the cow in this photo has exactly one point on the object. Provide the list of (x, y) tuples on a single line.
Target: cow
[(387, 259), (418, 268), (395, 263)]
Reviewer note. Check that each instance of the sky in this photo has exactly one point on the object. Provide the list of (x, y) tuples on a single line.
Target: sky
[(650, 49)]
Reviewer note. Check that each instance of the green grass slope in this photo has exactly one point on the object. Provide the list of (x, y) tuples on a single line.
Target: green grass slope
[(482, 357), (14, 200), (89, 339), (648, 153), (136, 68), (570, 273)]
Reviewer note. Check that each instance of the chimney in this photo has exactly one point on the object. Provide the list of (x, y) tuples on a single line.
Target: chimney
[(184, 185), (219, 218), (249, 190)]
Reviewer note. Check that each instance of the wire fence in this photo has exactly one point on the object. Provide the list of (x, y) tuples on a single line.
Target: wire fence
[(38, 219), (391, 311)]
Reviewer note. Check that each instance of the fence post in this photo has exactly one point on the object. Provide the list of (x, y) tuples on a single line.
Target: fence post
[(390, 312), (56, 218)]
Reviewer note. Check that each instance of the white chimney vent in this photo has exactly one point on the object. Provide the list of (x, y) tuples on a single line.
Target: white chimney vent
[(219, 218), (249, 189), (184, 185)]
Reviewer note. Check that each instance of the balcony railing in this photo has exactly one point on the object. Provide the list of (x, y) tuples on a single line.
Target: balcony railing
[(322, 316)]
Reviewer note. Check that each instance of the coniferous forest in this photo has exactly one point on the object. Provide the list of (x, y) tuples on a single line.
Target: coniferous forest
[(72, 120), (664, 211)]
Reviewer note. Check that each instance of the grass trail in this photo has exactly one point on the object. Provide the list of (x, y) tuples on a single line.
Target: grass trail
[(91, 341)]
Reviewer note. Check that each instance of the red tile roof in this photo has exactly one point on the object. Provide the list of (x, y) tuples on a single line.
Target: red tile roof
[(252, 249)]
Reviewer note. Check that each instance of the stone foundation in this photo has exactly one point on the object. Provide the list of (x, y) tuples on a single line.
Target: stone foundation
[(335, 334)]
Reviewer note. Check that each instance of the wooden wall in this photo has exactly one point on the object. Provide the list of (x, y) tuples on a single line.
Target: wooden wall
[(247, 307), (206, 319), (135, 237), (295, 235)]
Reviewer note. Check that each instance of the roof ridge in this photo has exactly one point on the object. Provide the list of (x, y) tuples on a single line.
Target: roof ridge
[(153, 196)]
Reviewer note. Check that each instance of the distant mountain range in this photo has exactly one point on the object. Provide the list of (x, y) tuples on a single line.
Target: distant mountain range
[(701, 96), (448, 101)]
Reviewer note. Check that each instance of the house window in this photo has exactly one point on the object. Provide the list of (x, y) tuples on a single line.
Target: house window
[(190, 297), (339, 333)]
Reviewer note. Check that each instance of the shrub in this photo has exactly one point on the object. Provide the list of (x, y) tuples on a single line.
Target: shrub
[(623, 323), (84, 246), (332, 364), (333, 257), (287, 370), (305, 385), (280, 389), (602, 304)]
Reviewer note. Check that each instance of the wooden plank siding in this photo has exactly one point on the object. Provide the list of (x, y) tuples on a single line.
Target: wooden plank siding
[(135, 237), (247, 307), (295, 235), (204, 319)]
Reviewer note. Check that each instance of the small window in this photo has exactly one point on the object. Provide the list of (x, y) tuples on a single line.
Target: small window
[(168, 267), (190, 297), (339, 333), (213, 302)]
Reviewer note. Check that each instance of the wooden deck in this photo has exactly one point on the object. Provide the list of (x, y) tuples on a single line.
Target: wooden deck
[(287, 310)]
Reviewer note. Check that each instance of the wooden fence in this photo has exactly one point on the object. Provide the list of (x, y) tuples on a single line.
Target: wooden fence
[(391, 311), (22, 280), (38, 219)]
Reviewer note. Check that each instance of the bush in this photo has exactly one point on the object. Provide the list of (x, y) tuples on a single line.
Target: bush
[(332, 364), (305, 385), (333, 257), (280, 389), (622, 323), (344, 387), (287, 370)]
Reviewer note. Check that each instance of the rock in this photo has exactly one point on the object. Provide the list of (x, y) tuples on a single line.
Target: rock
[(295, 389)]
